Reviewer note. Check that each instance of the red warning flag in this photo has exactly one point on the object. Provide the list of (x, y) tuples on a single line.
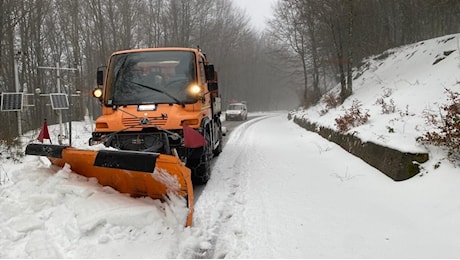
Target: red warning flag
[(44, 133), (193, 138)]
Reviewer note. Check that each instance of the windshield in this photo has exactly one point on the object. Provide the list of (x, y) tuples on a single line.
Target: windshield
[(151, 78), (235, 107)]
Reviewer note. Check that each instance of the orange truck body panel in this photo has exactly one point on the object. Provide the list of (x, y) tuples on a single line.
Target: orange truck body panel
[(114, 120)]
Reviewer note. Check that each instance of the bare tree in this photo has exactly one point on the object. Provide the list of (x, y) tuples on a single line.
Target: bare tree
[(287, 27), (308, 40)]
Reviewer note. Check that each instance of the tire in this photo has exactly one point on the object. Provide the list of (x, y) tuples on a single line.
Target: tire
[(199, 162)]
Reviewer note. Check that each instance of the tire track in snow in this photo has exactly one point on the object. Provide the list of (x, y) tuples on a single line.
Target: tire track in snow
[(220, 198)]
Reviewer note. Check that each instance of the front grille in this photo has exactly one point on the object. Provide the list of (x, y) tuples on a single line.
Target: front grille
[(131, 121), (152, 142)]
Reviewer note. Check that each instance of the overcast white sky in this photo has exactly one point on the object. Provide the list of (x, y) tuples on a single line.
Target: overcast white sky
[(258, 10)]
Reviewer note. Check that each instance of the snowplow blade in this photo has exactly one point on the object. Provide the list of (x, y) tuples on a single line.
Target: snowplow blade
[(136, 173)]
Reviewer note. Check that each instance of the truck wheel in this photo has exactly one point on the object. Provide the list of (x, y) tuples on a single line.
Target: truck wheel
[(218, 150), (199, 162)]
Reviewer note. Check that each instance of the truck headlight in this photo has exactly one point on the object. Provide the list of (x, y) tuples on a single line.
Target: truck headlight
[(194, 90), (97, 93)]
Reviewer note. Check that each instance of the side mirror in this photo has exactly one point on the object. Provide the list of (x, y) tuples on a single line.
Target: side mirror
[(209, 72), (100, 75), (212, 82), (212, 86)]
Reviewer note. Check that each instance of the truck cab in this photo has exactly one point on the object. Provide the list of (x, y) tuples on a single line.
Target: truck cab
[(148, 95)]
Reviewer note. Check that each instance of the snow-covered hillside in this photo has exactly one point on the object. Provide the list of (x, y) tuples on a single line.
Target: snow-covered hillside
[(412, 80), (276, 190)]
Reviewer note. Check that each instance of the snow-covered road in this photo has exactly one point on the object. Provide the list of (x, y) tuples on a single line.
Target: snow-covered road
[(279, 191), (276, 191)]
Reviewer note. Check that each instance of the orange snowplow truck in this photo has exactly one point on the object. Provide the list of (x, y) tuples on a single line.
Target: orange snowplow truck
[(161, 100)]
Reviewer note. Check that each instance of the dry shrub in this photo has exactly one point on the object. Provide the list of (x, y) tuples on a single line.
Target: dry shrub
[(447, 131), (387, 108), (331, 100), (353, 117)]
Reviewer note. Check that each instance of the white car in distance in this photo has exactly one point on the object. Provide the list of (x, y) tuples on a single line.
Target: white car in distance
[(236, 111)]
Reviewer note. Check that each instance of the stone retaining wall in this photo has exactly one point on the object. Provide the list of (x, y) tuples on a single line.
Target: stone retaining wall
[(395, 164)]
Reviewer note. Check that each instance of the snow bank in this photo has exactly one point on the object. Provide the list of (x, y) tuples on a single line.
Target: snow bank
[(48, 212)]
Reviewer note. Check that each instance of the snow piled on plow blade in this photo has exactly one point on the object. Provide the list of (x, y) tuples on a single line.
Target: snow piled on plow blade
[(163, 176)]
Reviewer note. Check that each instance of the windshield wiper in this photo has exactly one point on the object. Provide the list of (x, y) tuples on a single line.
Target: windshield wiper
[(117, 74), (158, 90)]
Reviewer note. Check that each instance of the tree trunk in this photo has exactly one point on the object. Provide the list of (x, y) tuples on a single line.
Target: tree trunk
[(349, 88)]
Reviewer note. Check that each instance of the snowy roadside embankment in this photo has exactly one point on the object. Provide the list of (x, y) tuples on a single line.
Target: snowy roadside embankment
[(397, 89)]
